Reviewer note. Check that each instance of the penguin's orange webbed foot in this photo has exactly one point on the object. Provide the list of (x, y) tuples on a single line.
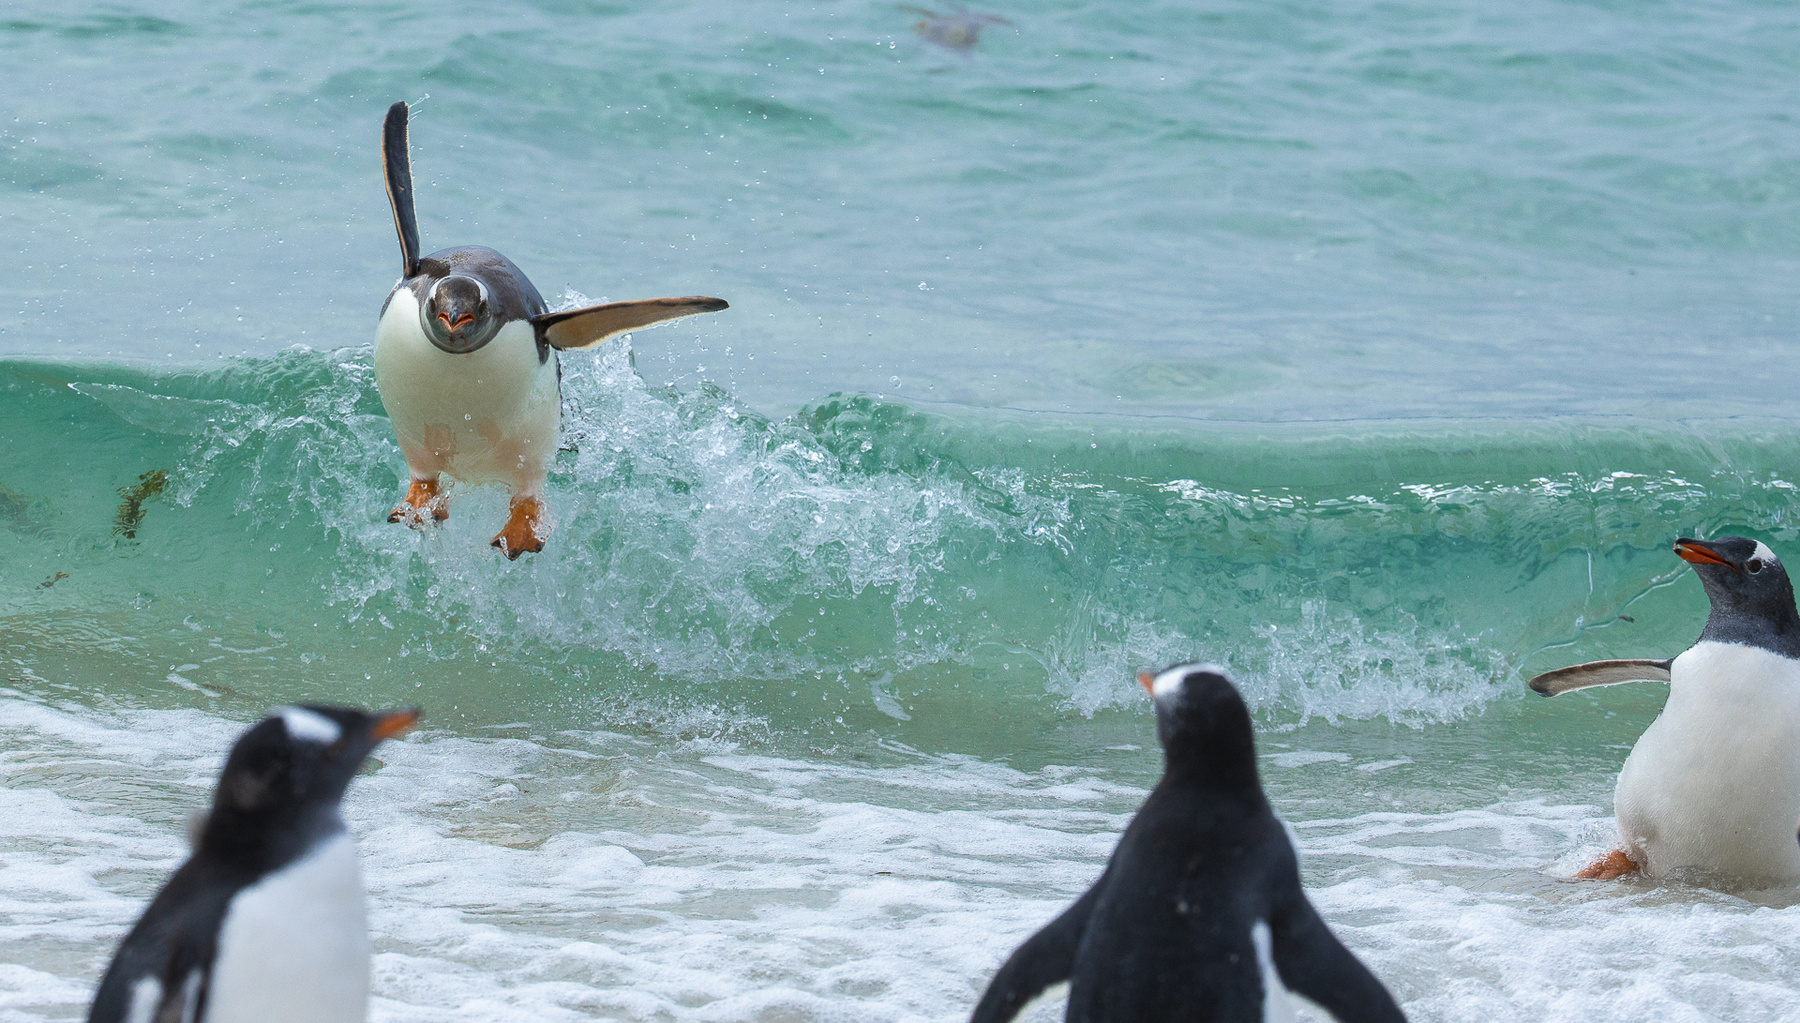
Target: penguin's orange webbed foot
[(1610, 867), (423, 497), (524, 533)]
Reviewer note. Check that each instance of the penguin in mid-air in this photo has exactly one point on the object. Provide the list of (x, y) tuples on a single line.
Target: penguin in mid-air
[(465, 360), (265, 922), (1199, 915), (1714, 782)]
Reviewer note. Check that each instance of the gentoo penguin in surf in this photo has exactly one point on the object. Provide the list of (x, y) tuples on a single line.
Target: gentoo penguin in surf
[(465, 359), (1199, 915), (1714, 782), (265, 921)]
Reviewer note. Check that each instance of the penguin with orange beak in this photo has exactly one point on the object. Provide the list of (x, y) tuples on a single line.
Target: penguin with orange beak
[(1714, 782), (466, 363), (265, 922)]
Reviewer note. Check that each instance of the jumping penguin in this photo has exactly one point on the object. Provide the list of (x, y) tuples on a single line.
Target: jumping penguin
[(465, 360), (1714, 782), (1199, 915), (265, 922)]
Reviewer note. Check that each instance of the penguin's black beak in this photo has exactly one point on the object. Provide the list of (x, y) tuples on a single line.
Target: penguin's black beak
[(1148, 681), (394, 722), (1701, 553)]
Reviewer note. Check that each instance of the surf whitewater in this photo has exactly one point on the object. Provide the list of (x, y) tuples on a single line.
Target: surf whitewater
[(863, 563)]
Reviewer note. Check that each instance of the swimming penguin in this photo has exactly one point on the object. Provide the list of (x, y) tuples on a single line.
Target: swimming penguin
[(1199, 915), (265, 921), (1714, 782), (959, 30), (465, 360)]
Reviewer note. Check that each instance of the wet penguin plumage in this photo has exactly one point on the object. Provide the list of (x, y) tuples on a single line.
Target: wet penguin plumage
[(265, 922), (1199, 914), (466, 363), (1714, 782)]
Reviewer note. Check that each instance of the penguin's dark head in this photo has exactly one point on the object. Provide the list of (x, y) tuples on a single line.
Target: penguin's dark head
[(1752, 598), (457, 315), (1202, 722), (297, 760)]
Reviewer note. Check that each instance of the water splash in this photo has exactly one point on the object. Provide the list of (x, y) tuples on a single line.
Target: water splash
[(886, 561)]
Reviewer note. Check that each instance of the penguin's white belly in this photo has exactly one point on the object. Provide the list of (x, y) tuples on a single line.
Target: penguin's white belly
[(1714, 782), (488, 416), (294, 947)]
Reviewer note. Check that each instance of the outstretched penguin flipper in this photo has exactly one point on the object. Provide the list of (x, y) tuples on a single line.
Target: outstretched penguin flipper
[(1046, 958), (1600, 673), (1314, 964), (397, 164), (584, 328)]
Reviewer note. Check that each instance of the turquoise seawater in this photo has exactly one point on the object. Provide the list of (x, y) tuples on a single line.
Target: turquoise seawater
[(1375, 350)]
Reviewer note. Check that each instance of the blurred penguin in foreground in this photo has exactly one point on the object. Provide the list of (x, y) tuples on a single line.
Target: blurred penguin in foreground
[(1199, 915), (265, 922)]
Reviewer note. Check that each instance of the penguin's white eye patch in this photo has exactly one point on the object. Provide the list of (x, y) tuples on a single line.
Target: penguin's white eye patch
[(1762, 554), (304, 724), (1167, 682)]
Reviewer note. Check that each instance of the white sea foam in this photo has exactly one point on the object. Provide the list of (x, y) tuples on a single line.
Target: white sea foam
[(591, 875)]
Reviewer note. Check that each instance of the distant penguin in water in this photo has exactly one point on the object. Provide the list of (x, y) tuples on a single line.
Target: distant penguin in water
[(465, 360), (1714, 782), (265, 922), (959, 30), (1199, 915)]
